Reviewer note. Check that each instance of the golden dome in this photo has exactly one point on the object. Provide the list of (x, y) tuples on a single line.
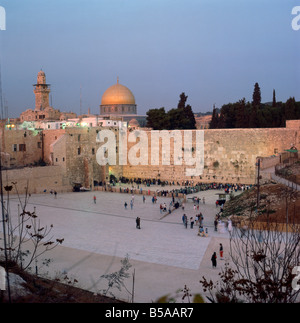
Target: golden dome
[(117, 94)]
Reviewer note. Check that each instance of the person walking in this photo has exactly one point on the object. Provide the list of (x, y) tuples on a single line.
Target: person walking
[(138, 223), (94, 199), (221, 251), (125, 205), (131, 204), (214, 260)]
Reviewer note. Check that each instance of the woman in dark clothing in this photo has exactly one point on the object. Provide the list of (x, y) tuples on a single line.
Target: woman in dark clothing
[(214, 260)]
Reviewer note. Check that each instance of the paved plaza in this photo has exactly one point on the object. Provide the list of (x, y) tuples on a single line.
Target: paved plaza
[(97, 236)]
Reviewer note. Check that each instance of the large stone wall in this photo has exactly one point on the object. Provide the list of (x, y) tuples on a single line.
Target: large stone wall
[(229, 155)]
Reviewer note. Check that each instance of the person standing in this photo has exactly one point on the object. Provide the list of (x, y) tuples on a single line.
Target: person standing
[(160, 208), (125, 205), (186, 222), (221, 251), (192, 222), (94, 199), (138, 223), (214, 260), (216, 224), (201, 218)]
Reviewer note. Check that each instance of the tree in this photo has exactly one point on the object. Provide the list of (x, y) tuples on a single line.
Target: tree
[(254, 121), (157, 119), (174, 119), (241, 115), (256, 98), (180, 118), (290, 109), (187, 118), (214, 119), (27, 229), (182, 101), (116, 279)]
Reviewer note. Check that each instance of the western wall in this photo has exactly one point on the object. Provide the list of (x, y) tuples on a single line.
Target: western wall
[(229, 155)]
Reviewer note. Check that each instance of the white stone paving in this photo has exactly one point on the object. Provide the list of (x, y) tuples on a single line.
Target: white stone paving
[(108, 228), (164, 254)]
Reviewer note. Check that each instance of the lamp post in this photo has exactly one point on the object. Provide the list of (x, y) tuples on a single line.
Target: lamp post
[(258, 176)]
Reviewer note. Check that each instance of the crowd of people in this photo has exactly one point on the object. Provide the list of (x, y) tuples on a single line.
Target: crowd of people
[(186, 187)]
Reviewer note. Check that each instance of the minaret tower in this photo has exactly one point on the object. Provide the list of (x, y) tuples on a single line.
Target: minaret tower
[(41, 91)]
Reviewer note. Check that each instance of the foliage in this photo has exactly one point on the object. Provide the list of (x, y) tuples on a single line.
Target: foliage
[(182, 295), (181, 117), (244, 114), (28, 231), (256, 97), (116, 279), (263, 257)]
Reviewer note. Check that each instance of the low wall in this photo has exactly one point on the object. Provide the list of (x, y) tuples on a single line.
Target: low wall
[(267, 162), (36, 179)]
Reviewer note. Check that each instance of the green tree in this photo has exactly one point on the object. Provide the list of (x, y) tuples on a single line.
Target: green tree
[(274, 99), (254, 121), (187, 118), (290, 109), (256, 98), (241, 115), (174, 119), (157, 119), (214, 119)]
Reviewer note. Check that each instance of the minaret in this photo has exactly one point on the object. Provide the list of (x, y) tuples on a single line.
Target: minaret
[(41, 91)]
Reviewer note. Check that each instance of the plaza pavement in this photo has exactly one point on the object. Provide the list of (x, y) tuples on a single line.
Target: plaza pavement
[(164, 255)]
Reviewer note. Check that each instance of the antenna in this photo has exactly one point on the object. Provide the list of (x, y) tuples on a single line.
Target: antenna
[(80, 100), (5, 107)]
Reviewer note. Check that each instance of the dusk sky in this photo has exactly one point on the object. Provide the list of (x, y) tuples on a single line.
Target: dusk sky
[(213, 50)]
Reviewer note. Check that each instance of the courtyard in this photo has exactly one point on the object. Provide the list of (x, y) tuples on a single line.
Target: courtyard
[(164, 254)]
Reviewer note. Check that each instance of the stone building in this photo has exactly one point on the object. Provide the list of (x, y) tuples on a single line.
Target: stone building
[(20, 147), (42, 110), (74, 150)]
